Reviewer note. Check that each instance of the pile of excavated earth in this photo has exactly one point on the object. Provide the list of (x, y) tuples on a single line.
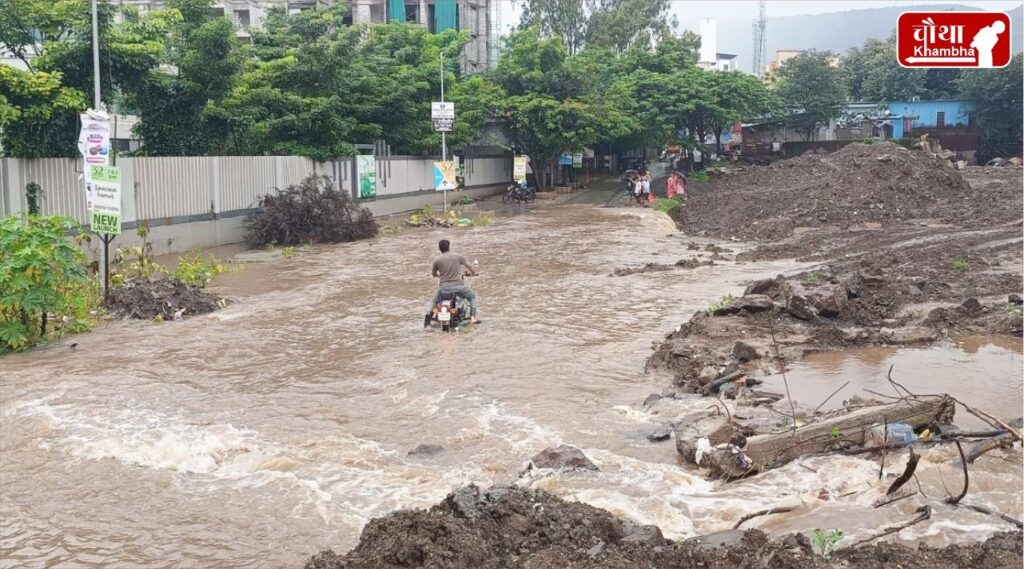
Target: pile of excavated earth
[(509, 527), (906, 249)]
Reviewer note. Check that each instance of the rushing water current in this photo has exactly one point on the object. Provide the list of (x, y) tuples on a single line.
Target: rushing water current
[(255, 436)]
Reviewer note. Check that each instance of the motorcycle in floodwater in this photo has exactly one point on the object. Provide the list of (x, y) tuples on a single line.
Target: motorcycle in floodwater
[(451, 310)]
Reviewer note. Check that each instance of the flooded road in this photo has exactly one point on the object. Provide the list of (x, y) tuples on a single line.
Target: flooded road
[(278, 426)]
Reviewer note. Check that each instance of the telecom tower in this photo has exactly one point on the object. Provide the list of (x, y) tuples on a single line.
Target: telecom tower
[(759, 37)]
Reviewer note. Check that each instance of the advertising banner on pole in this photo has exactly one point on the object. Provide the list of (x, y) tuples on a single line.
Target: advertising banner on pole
[(519, 168), (577, 160), (565, 159), (94, 139), (366, 169), (103, 196), (444, 176), (443, 115)]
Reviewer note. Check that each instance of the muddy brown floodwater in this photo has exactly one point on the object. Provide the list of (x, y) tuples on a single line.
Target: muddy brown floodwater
[(277, 427)]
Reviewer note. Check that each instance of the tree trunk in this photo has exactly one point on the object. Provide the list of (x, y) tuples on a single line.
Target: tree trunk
[(763, 452)]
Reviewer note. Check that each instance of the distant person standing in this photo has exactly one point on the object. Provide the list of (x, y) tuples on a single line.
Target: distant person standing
[(670, 186)]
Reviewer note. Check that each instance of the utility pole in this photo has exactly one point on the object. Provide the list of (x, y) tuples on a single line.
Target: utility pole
[(95, 57), (444, 141)]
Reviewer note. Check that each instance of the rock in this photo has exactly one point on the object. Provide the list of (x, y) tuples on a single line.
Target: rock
[(727, 538), (662, 433), (715, 428), (649, 534), (996, 162), (828, 299), (971, 306), (909, 335), (1015, 161), (801, 308), (872, 279), (798, 541), (466, 502), (744, 352), (426, 450), (668, 393), (764, 286), (563, 457), (750, 303), (651, 400), (1015, 299), (854, 284), (595, 551)]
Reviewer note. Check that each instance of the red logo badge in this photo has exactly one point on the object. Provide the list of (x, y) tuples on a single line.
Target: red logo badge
[(953, 39)]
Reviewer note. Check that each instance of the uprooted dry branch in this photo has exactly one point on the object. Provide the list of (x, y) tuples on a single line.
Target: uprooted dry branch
[(779, 510), (908, 473), (925, 512), (967, 480)]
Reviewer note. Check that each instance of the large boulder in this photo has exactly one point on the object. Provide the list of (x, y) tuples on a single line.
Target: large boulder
[(563, 457), (748, 303), (826, 300), (715, 428)]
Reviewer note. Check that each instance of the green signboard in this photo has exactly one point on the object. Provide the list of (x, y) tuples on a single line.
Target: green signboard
[(103, 198)]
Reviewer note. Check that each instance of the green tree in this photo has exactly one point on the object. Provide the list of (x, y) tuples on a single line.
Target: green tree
[(567, 19), (34, 111), (202, 62), (872, 73), (621, 24), (54, 40), (812, 89), (996, 97)]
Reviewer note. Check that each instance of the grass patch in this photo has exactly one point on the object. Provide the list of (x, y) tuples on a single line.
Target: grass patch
[(700, 176), (961, 265), (664, 205), (720, 303)]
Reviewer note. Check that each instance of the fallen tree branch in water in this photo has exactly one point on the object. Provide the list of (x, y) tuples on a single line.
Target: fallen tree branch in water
[(830, 397), (881, 503), (779, 510), (980, 448), (963, 461), (926, 513), (1000, 515), (908, 472)]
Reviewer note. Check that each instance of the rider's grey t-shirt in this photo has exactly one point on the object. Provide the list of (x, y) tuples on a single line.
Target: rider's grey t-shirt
[(449, 268)]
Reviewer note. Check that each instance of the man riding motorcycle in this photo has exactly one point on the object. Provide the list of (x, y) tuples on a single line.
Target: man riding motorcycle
[(448, 268)]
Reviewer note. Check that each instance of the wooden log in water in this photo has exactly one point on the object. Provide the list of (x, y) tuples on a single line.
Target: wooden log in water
[(763, 452)]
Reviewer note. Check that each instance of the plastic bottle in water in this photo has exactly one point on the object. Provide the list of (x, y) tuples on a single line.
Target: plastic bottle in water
[(900, 433)]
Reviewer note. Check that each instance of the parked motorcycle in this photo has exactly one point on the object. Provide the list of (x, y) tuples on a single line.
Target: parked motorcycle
[(518, 192)]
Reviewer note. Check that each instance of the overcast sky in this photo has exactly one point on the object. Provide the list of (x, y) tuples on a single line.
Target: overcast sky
[(689, 12)]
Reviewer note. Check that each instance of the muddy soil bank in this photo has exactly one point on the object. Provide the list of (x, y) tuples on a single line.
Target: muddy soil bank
[(911, 251), (510, 527)]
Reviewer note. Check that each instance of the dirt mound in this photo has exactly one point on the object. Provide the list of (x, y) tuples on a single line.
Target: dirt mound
[(169, 299), (509, 527), (859, 184)]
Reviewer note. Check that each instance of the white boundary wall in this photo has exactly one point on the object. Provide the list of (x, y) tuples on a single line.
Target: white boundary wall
[(200, 201)]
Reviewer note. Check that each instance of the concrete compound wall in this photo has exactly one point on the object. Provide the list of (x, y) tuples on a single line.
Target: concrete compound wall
[(192, 202)]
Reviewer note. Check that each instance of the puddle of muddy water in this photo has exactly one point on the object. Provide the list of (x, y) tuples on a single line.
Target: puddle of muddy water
[(982, 371), (278, 426)]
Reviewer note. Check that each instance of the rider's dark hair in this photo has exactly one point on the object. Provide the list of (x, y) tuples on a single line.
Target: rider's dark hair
[(443, 245)]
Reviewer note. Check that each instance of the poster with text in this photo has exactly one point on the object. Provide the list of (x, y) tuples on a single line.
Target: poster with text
[(366, 167)]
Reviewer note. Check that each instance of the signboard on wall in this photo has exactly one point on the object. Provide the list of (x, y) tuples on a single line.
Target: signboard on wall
[(577, 160), (366, 170)]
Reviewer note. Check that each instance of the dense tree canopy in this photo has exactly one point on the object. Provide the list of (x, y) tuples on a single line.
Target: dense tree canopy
[(813, 89)]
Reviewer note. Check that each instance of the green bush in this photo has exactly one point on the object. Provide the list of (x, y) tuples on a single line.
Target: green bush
[(193, 270), (665, 204), (45, 290)]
